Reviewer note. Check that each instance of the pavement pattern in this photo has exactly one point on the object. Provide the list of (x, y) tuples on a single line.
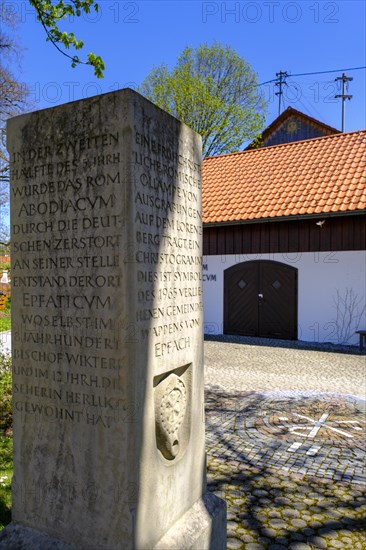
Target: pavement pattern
[(286, 442)]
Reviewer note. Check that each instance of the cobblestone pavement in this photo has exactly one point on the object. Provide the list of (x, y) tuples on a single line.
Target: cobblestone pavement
[(286, 444)]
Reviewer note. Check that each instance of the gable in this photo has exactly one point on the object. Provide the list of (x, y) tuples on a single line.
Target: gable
[(292, 125), (295, 128)]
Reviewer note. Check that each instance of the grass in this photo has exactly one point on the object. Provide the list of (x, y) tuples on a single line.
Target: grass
[(5, 318), (6, 472), (6, 440)]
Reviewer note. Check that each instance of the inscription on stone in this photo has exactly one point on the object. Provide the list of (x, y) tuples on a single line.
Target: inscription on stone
[(66, 239), (168, 244)]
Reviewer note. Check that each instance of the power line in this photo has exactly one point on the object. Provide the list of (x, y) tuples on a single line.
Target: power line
[(263, 83), (314, 73), (325, 72)]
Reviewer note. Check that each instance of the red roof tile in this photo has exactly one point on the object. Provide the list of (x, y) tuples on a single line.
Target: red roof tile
[(326, 174)]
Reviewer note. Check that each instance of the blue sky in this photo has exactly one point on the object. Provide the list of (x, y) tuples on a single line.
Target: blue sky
[(133, 36)]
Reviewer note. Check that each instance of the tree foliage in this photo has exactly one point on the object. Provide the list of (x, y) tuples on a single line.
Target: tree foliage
[(214, 91), (51, 12), (13, 94), (12, 101)]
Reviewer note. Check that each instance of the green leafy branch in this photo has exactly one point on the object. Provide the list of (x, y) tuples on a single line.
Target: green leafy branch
[(50, 14), (212, 90)]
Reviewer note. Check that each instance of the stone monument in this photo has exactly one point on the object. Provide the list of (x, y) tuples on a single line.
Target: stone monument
[(109, 434)]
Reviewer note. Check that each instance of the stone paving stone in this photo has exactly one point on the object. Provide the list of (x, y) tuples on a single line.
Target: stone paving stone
[(299, 505), (282, 540), (298, 523), (308, 532), (274, 514), (337, 544), (290, 513), (233, 543), (297, 536), (245, 538), (315, 524), (264, 541), (267, 531), (318, 542)]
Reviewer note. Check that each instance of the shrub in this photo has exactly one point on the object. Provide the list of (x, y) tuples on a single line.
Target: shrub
[(5, 394)]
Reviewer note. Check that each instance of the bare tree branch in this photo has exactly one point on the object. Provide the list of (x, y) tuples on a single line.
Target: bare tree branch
[(350, 309)]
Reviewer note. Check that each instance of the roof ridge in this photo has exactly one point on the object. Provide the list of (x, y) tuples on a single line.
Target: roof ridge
[(288, 144)]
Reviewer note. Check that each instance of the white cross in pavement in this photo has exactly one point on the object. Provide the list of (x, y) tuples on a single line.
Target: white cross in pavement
[(316, 425), (310, 430)]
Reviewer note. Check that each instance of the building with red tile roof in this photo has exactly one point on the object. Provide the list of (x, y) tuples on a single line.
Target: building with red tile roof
[(287, 223)]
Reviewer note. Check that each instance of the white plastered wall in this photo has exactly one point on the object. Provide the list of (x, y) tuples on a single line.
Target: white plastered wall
[(325, 279)]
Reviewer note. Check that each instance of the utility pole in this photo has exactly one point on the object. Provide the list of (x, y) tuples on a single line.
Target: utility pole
[(344, 96), (281, 77)]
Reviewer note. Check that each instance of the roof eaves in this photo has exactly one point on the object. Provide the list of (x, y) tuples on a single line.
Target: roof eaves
[(294, 217)]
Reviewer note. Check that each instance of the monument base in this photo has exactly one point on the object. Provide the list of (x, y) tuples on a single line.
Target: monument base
[(203, 527), (18, 537)]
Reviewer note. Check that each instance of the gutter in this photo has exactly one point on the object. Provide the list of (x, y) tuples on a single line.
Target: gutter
[(321, 215)]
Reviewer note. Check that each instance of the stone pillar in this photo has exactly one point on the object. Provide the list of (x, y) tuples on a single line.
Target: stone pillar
[(109, 434)]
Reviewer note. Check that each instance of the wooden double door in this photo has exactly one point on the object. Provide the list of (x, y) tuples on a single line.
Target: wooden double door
[(260, 299)]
